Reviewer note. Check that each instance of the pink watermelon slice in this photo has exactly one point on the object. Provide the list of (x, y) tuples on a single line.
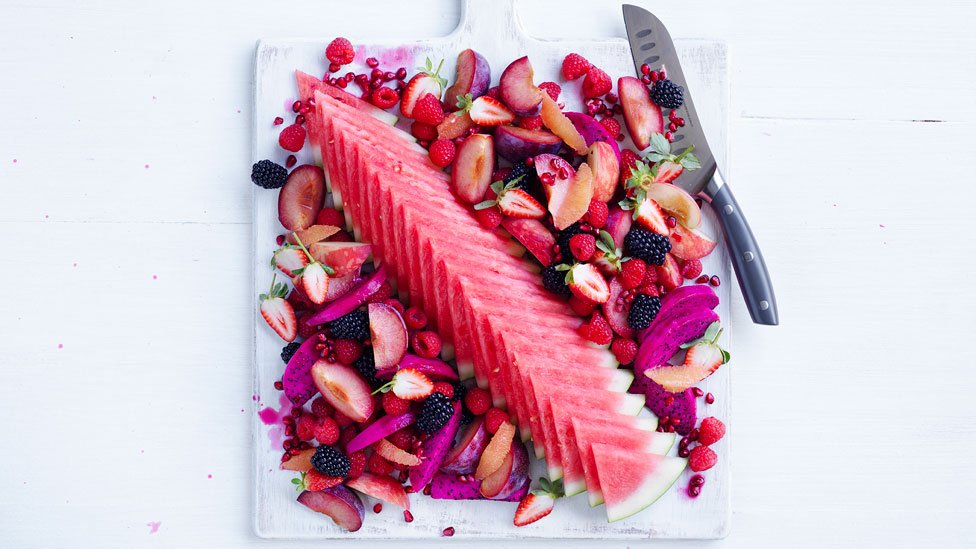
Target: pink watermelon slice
[(631, 481)]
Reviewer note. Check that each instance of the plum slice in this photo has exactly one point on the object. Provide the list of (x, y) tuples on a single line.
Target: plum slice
[(516, 144), (518, 91), (473, 166), (641, 115), (300, 200), (388, 333), (339, 503), (463, 457), (473, 76), (344, 388)]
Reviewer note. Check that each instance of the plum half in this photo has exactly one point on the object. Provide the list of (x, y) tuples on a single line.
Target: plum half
[(339, 503), (518, 91)]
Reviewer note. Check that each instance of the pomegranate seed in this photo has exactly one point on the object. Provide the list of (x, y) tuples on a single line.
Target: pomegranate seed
[(295, 412), (673, 127), (702, 279), (290, 431), (694, 491), (660, 428), (334, 67), (341, 83), (401, 73), (293, 451), (680, 122), (669, 136), (669, 401), (427, 490), (403, 476), (697, 480), (547, 179), (376, 82), (714, 281), (611, 97), (646, 79), (409, 489), (296, 106), (710, 398), (372, 62), (376, 73), (304, 110), (645, 68), (361, 78), (676, 421), (665, 420), (389, 76), (279, 121), (279, 385), (672, 222), (672, 114), (654, 77), (300, 119), (448, 532), (662, 74), (280, 239), (563, 173), (693, 435), (697, 392), (408, 516), (378, 507), (670, 428), (285, 457), (684, 443), (620, 137), (683, 452)]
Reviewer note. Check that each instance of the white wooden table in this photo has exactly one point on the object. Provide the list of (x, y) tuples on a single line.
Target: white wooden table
[(125, 381)]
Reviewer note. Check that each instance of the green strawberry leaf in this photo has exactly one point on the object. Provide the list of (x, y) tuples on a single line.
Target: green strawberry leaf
[(712, 332), (690, 162), (464, 103), (655, 157), (607, 239), (562, 267), (660, 144), (544, 483), (726, 357), (484, 205)]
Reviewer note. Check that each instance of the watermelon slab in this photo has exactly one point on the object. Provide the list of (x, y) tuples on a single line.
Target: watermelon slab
[(632, 481)]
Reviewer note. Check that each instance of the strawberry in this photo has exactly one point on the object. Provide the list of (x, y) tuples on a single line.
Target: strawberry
[(429, 110), (574, 66), (710, 431), (428, 81), (596, 83), (668, 171), (518, 203), (702, 458), (423, 132), (582, 307), (290, 259), (533, 123), (552, 89), (582, 246), (632, 273), (278, 313), (292, 138), (597, 214), (538, 503), (624, 350), (486, 111), (315, 276), (628, 161), (314, 481), (477, 400), (409, 384), (597, 330), (612, 126), (649, 215), (340, 51), (704, 356), (442, 152), (586, 282)]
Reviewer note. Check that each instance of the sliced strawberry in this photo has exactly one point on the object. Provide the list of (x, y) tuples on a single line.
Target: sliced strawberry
[(410, 384), (651, 217), (668, 171), (278, 313), (289, 259), (587, 282), (424, 82), (315, 282), (532, 508), (518, 203), (314, 481), (486, 111)]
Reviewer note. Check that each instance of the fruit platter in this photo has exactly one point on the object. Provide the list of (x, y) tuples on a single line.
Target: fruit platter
[(482, 309)]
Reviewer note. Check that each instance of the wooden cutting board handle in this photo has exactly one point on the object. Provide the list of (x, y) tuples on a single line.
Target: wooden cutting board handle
[(484, 21)]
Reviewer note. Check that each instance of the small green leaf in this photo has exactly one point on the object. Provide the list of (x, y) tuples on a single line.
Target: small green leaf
[(713, 330), (655, 157), (660, 144), (544, 483), (498, 186), (607, 239), (484, 205), (562, 267), (328, 270), (726, 356), (690, 162), (691, 344)]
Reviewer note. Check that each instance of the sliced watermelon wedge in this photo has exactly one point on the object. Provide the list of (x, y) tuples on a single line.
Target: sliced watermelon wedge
[(632, 481)]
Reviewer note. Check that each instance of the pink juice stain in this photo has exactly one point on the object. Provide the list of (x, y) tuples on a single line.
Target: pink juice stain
[(272, 417), (154, 526), (390, 59)]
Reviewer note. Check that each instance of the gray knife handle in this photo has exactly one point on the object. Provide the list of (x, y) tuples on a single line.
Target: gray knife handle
[(747, 260)]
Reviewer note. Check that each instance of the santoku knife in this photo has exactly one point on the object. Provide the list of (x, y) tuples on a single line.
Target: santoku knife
[(651, 44)]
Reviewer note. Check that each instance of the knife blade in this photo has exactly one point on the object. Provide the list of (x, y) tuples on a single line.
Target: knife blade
[(651, 44)]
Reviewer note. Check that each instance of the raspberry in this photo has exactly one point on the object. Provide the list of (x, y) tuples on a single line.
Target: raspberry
[(632, 273), (533, 123), (347, 350), (624, 349), (378, 465), (394, 405), (702, 458), (582, 307), (574, 66), (429, 110), (348, 434), (552, 89), (414, 318), (612, 126), (305, 427), (321, 407), (649, 289), (582, 246), (384, 292), (384, 97), (423, 132), (357, 464), (494, 93), (691, 269), (292, 138), (478, 401), (341, 236), (596, 83), (499, 175), (426, 344), (306, 330), (330, 216), (326, 431), (444, 388), (494, 418), (403, 439), (710, 431), (489, 218), (442, 152), (628, 160), (342, 419), (597, 330), (650, 278), (340, 51), (597, 214), (395, 304)]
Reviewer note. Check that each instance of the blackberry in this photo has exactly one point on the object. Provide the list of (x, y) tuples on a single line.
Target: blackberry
[(466, 417), (288, 351), (459, 391), (642, 311), (268, 175), (647, 246), (563, 238), (529, 181), (354, 325), (435, 413), (330, 462), (667, 94), (366, 365), (555, 281)]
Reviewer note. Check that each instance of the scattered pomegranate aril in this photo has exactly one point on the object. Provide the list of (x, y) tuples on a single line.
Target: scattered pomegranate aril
[(669, 136), (279, 121), (710, 398), (448, 532), (684, 452), (300, 119), (669, 401), (694, 491), (714, 281), (645, 68), (547, 179), (372, 62), (693, 435), (654, 76), (341, 82), (408, 516), (697, 480), (702, 279), (662, 74), (279, 385), (672, 222), (296, 106), (563, 172), (697, 392), (334, 67), (290, 161), (672, 127)]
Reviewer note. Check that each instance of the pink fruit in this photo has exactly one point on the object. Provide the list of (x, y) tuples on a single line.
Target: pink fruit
[(690, 243), (593, 131), (618, 224), (297, 379), (345, 258), (617, 318), (300, 200), (533, 235), (605, 166), (678, 302), (474, 163), (381, 487), (449, 486), (669, 274), (342, 505), (388, 333), (434, 450), (569, 196), (340, 286), (665, 340), (516, 144), (351, 300), (641, 115), (344, 388), (430, 367), (302, 461), (381, 428), (518, 91), (511, 476), (473, 76), (676, 202), (557, 122), (463, 458)]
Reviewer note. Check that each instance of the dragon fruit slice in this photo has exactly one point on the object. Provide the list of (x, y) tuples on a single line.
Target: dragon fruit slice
[(434, 449), (683, 406), (679, 301), (299, 387), (381, 428), (351, 300), (431, 367), (447, 486), (665, 340)]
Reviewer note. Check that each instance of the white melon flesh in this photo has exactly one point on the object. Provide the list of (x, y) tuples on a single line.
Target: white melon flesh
[(633, 481)]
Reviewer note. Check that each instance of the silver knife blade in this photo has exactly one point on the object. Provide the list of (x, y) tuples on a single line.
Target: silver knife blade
[(651, 43)]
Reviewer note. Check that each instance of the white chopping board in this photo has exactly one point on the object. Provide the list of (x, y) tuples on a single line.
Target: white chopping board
[(496, 33)]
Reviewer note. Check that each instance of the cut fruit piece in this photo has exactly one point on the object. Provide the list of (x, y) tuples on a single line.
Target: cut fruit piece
[(587, 283), (340, 286), (689, 244), (517, 89), (557, 122), (641, 115), (448, 486), (571, 191), (298, 383), (343, 257), (593, 131), (352, 300), (680, 301), (454, 126), (312, 235), (473, 166), (463, 457), (299, 462), (344, 388), (381, 428), (516, 144), (300, 200), (631, 481), (389, 451), (676, 202), (494, 455), (510, 477), (666, 338), (381, 487), (339, 503), (388, 334), (430, 367), (606, 170), (473, 76), (616, 311), (534, 236), (701, 361), (434, 450), (487, 111), (417, 88), (650, 216), (669, 274)]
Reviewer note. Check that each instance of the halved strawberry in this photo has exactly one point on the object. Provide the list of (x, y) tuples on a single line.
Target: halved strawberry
[(587, 282), (314, 276), (314, 481), (424, 82), (704, 356), (538, 503), (487, 111), (409, 384), (668, 171), (518, 203), (278, 313), (289, 258), (651, 217)]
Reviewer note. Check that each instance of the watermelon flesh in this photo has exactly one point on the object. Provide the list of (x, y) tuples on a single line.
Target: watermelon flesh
[(631, 481)]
